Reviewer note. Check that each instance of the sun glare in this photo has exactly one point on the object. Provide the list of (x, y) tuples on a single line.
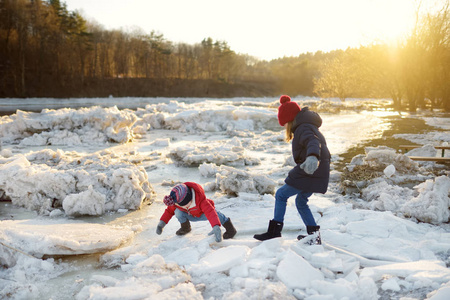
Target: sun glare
[(391, 20), (328, 25), (261, 28), (381, 21)]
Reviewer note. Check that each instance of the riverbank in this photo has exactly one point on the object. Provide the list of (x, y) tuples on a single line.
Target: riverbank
[(396, 124), (146, 87)]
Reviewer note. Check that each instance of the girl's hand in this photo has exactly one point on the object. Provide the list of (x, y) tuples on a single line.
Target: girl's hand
[(310, 165)]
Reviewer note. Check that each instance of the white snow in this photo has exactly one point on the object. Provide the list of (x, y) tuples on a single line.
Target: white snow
[(296, 273), (389, 171), (82, 184), (83, 189), (45, 237)]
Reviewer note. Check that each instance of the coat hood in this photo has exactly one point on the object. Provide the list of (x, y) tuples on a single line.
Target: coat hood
[(306, 116)]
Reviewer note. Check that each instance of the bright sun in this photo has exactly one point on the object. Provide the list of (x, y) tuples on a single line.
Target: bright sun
[(329, 24), (390, 20)]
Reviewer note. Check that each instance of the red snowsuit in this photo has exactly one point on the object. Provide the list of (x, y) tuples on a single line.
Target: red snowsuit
[(201, 205)]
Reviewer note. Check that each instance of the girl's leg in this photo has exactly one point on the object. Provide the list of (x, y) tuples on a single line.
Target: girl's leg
[(301, 201), (276, 225), (281, 197)]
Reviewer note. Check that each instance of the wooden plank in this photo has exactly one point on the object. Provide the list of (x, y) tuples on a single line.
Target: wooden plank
[(436, 159), (443, 148), (419, 146)]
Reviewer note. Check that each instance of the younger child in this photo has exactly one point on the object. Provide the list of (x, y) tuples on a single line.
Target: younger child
[(188, 202)]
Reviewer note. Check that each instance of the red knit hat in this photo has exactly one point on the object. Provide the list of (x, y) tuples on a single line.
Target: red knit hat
[(287, 110)]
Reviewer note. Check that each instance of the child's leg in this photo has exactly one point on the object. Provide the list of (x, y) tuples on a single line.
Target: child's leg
[(223, 219), (230, 231), (301, 201), (183, 216), (281, 197)]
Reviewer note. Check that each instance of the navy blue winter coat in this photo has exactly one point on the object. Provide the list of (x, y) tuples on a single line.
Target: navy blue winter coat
[(308, 140)]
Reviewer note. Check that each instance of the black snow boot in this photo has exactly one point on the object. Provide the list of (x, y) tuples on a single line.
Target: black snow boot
[(230, 230), (313, 240), (185, 228), (273, 231)]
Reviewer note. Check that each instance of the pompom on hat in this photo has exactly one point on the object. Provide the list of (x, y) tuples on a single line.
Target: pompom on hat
[(287, 110), (181, 194)]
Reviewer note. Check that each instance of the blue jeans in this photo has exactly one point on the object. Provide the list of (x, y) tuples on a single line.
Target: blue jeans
[(301, 201), (183, 216)]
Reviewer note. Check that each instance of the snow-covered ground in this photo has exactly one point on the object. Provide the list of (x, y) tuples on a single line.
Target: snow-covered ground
[(83, 189)]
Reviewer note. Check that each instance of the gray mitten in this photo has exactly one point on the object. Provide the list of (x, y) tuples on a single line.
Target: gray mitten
[(160, 227), (217, 232), (310, 165)]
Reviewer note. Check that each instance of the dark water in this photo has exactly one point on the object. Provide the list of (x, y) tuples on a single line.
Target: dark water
[(9, 106)]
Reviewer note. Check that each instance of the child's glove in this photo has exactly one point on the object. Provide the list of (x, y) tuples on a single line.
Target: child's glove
[(310, 165), (160, 227), (217, 232)]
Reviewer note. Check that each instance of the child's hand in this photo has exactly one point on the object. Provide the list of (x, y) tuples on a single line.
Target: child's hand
[(160, 227), (310, 165), (217, 232)]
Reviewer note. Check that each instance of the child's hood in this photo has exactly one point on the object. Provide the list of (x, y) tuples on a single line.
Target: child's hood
[(306, 116)]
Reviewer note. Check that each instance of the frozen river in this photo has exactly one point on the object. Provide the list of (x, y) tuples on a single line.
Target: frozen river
[(143, 146)]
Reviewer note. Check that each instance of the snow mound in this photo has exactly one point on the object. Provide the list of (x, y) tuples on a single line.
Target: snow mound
[(296, 272), (378, 162), (42, 237), (68, 126), (381, 157), (229, 153), (433, 202), (80, 184), (383, 179), (431, 205), (385, 197), (232, 181), (426, 150), (208, 116), (150, 278)]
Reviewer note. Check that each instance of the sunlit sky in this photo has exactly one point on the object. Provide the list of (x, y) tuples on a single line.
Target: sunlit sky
[(266, 29)]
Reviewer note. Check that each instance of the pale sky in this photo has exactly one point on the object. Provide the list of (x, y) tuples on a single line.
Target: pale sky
[(266, 29)]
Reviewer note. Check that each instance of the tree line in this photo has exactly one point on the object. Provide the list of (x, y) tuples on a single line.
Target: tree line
[(415, 72), (48, 51)]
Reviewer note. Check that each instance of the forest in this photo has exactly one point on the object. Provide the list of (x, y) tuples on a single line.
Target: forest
[(48, 51)]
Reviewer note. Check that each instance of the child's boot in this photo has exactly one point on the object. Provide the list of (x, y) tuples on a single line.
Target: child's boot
[(313, 240), (230, 230), (273, 231), (185, 228)]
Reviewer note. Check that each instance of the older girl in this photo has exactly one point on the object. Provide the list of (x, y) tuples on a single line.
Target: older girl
[(310, 175)]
